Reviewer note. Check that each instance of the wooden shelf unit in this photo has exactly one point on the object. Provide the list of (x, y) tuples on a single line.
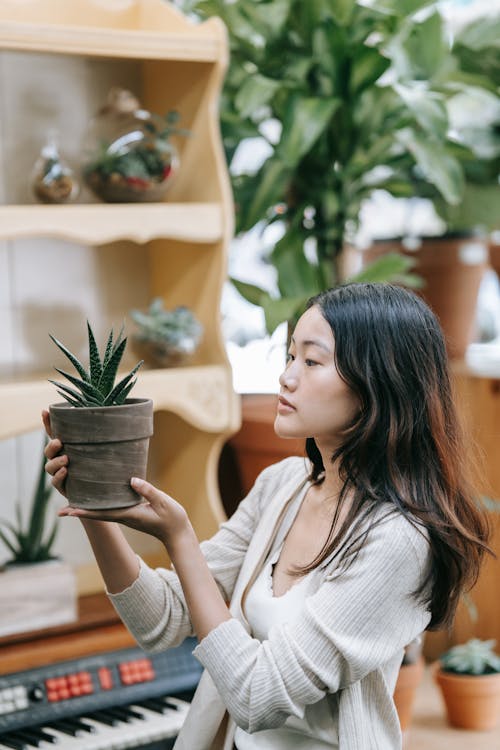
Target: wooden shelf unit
[(184, 240)]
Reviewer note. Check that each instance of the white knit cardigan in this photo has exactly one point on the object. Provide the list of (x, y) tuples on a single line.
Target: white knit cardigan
[(348, 641)]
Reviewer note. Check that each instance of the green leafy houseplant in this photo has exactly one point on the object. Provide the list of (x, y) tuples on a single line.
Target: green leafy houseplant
[(104, 433), (32, 541), (166, 337), (96, 386), (356, 94), (474, 108)]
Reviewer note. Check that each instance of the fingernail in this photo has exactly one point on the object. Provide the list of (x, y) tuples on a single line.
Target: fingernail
[(136, 482)]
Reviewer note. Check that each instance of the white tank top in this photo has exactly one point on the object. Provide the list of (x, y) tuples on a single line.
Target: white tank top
[(318, 729)]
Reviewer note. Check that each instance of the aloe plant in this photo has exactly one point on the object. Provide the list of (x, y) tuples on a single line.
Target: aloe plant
[(30, 542), (476, 657), (96, 386)]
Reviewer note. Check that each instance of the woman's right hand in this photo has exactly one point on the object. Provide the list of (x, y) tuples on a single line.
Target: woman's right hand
[(57, 463)]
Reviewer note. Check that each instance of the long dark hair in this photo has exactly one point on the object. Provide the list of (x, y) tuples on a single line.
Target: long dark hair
[(405, 448)]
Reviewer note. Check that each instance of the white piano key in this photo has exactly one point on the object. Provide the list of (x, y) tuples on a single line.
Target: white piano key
[(128, 734)]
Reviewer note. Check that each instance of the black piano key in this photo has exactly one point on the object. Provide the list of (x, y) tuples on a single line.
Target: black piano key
[(171, 704), (66, 726), (12, 742), (82, 725), (25, 735), (120, 713), (154, 705), (128, 713), (104, 718)]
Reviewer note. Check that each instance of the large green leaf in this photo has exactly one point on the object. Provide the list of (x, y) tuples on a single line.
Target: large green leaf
[(251, 292), (480, 33), (427, 107), (367, 67), (438, 167), (425, 47), (403, 7), (255, 92), (270, 188), (391, 267), (269, 17), (297, 277), (305, 120), (277, 311), (479, 207)]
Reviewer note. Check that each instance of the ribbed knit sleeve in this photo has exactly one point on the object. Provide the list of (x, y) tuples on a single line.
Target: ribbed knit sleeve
[(354, 624)]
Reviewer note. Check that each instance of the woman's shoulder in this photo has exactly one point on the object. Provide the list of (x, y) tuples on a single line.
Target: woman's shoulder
[(293, 468), (395, 528)]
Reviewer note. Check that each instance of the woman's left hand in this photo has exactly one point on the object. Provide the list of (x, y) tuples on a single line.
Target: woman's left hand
[(159, 515)]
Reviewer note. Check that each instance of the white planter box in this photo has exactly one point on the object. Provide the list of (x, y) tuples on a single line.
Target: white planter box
[(36, 595)]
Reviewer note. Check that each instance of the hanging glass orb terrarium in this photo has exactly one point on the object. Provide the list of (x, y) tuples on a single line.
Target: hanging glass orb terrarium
[(127, 154), (52, 179)]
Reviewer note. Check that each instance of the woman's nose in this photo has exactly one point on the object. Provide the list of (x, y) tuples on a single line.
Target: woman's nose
[(287, 379)]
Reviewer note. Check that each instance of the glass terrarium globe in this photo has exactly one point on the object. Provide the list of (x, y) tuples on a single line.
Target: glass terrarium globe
[(127, 154), (52, 179)]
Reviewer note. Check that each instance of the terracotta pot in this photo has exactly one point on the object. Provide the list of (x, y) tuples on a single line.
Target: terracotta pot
[(106, 446), (452, 269), (472, 701), (409, 678), (256, 445), (495, 255)]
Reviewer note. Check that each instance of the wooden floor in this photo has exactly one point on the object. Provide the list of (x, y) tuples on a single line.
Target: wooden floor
[(429, 730)]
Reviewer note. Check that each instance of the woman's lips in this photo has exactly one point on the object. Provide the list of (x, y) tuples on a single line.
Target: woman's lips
[(285, 406)]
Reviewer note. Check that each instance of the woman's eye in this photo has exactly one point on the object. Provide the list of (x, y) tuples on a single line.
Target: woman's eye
[(289, 357), (310, 362)]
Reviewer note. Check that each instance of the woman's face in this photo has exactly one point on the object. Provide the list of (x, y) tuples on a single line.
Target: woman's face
[(314, 400)]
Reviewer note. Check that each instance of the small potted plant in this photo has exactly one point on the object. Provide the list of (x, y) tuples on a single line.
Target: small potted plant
[(166, 338), (468, 676), (105, 434), (37, 589)]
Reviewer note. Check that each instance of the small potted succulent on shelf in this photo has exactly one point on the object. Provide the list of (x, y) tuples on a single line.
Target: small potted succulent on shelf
[(468, 676), (166, 338), (37, 589), (105, 434)]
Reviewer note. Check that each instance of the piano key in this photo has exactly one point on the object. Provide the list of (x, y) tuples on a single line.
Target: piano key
[(154, 705), (25, 735), (65, 726), (9, 741)]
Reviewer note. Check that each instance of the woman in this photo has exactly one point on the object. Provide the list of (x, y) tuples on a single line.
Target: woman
[(332, 564)]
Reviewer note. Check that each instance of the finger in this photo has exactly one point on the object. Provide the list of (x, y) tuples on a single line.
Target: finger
[(148, 491), (121, 515), (53, 449), (56, 463), (46, 422), (58, 480)]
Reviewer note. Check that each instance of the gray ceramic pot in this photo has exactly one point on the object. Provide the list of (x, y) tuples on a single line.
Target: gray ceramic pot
[(106, 446)]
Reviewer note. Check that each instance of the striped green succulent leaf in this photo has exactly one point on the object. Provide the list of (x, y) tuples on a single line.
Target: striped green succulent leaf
[(94, 357), (74, 361), (90, 391), (123, 388), (107, 380), (78, 398)]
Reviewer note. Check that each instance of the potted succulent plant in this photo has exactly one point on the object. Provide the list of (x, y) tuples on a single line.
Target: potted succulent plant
[(468, 676), (105, 434), (37, 589), (166, 338)]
